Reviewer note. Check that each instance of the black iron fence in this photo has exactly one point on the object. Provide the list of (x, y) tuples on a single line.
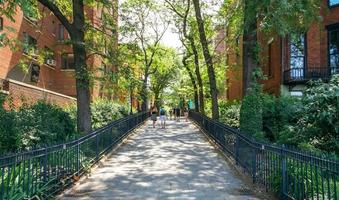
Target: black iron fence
[(295, 75), (290, 173), (44, 172)]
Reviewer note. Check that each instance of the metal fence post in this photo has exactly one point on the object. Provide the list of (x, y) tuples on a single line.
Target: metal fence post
[(237, 140), (254, 165), (97, 146), (45, 164), (284, 177), (78, 157)]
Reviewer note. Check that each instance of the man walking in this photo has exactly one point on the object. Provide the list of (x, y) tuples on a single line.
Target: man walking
[(163, 117)]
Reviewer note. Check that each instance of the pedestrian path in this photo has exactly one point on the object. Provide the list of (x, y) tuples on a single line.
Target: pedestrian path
[(172, 163)]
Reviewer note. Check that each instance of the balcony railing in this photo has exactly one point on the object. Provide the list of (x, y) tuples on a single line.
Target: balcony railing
[(303, 75)]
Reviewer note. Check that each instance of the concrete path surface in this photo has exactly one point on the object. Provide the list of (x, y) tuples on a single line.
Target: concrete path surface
[(172, 163)]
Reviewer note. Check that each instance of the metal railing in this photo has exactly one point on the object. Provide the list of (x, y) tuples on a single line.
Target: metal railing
[(46, 171), (290, 173), (295, 75)]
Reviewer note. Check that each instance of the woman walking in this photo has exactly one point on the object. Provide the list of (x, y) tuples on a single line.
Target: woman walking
[(154, 113)]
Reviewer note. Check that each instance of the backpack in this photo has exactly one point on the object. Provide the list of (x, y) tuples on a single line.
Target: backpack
[(162, 111)]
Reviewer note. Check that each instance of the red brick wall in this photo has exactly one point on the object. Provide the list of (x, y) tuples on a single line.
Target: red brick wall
[(330, 16), (270, 64), (25, 93), (46, 32), (233, 75)]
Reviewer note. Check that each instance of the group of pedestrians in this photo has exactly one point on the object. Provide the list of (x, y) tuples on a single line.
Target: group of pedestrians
[(174, 114)]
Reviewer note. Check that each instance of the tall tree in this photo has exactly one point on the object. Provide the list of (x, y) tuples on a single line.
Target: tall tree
[(145, 22), (75, 25), (250, 48), (165, 73), (182, 11), (192, 78), (208, 59)]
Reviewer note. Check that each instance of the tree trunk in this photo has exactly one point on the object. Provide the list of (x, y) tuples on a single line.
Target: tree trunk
[(144, 94), (195, 88), (197, 73), (208, 60), (249, 48), (131, 100), (82, 75)]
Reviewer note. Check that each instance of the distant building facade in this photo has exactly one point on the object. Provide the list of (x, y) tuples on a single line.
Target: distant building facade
[(289, 63), (52, 78)]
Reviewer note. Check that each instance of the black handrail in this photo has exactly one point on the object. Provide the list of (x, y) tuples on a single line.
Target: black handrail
[(294, 75), (45, 171), (291, 173)]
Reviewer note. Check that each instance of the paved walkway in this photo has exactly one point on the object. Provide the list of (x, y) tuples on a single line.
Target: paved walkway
[(172, 163)]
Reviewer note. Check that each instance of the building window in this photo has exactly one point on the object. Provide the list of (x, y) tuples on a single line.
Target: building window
[(297, 93), (30, 45), (1, 24), (297, 56), (67, 61), (268, 66), (30, 16), (333, 48), (61, 32), (332, 3), (35, 73), (49, 57)]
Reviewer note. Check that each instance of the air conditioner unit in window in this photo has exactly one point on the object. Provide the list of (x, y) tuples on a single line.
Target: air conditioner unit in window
[(50, 62)]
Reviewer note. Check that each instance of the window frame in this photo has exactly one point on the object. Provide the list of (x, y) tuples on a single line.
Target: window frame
[(30, 19), (51, 56), (330, 28), (61, 32), (1, 24), (33, 46), (332, 6), (62, 62), (35, 74), (304, 56)]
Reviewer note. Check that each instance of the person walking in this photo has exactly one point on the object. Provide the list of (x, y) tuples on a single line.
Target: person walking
[(186, 113), (177, 114), (170, 114), (154, 113), (163, 117)]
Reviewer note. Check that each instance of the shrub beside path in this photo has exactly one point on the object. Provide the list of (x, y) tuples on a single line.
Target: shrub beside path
[(172, 163)]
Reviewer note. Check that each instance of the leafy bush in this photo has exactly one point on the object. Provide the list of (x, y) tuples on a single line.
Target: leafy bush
[(106, 111), (230, 113), (34, 125), (9, 138), (279, 112), (310, 123), (251, 112), (318, 125), (44, 123), (103, 112)]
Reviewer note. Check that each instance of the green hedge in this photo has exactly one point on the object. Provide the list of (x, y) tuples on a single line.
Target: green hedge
[(103, 112), (34, 125), (251, 113), (230, 113)]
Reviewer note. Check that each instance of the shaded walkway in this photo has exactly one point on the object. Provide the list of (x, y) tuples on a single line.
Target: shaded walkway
[(172, 163)]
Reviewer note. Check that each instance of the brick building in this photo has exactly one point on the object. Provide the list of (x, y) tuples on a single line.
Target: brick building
[(51, 78), (289, 63)]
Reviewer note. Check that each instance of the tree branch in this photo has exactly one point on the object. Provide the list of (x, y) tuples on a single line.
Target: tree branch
[(57, 12)]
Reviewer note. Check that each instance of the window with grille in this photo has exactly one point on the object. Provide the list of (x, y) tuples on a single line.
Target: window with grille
[(30, 45), (67, 61), (333, 48), (297, 55)]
